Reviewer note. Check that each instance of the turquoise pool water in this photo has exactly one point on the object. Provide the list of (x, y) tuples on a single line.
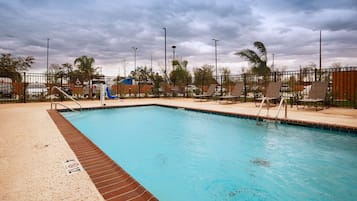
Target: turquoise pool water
[(181, 155)]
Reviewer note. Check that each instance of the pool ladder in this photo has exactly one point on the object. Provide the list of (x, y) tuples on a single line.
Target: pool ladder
[(282, 101), (68, 96)]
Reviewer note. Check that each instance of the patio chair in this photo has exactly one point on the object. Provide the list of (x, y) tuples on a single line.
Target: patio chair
[(175, 90), (272, 92), (235, 94), (316, 95), (165, 89), (209, 94)]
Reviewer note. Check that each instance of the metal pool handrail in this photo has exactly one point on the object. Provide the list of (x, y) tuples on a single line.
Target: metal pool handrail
[(68, 96), (282, 101)]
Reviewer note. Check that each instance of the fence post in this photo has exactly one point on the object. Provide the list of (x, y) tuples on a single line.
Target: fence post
[(139, 87), (62, 98), (275, 76), (203, 77), (186, 91), (221, 85), (228, 80), (24, 87), (118, 86), (245, 86), (315, 74)]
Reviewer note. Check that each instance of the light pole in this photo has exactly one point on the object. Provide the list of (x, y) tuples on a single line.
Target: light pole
[(165, 53), (215, 53), (48, 45), (135, 49), (173, 55), (173, 52), (320, 59), (272, 66), (151, 61)]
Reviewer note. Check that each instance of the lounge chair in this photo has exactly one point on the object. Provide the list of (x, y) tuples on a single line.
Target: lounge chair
[(175, 90), (164, 89), (210, 92), (272, 92), (316, 95), (235, 94)]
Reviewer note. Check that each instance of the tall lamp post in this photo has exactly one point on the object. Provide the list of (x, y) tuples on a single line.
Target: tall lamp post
[(272, 66), (165, 53), (173, 52), (135, 49), (173, 55), (215, 54), (320, 59), (48, 45)]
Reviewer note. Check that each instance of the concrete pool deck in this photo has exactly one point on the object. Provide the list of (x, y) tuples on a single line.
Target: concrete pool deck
[(32, 150)]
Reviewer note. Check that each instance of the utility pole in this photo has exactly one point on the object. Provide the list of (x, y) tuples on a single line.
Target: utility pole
[(165, 54), (215, 53), (272, 66), (173, 55), (135, 49), (48, 46), (151, 61), (124, 66), (136, 73), (320, 58), (173, 52)]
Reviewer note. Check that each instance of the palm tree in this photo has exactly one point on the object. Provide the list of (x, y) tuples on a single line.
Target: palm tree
[(258, 60), (85, 66)]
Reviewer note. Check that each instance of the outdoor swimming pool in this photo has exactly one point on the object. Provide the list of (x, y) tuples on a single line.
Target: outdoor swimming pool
[(184, 155)]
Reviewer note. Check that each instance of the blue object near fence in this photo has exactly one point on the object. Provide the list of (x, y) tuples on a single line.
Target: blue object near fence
[(109, 95), (127, 81)]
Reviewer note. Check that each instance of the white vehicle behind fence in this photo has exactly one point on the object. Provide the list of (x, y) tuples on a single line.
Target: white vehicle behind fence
[(36, 90)]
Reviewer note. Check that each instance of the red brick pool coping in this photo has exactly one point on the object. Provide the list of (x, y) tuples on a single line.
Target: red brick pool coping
[(110, 179)]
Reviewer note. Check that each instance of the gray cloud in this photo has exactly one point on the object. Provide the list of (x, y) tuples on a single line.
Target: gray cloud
[(107, 30)]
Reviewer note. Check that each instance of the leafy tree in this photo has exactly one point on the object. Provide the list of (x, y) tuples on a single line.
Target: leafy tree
[(258, 60), (156, 79), (11, 66), (204, 75), (307, 72), (337, 65), (60, 71), (141, 74), (76, 74), (180, 76), (226, 76), (85, 66), (55, 72), (67, 68)]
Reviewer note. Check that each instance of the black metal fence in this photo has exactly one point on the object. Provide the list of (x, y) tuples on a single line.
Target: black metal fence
[(32, 87)]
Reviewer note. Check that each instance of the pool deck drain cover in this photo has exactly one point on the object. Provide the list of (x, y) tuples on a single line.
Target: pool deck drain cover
[(72, 166)]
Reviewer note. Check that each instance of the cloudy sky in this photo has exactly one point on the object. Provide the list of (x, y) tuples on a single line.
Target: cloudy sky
[(108, 29)]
